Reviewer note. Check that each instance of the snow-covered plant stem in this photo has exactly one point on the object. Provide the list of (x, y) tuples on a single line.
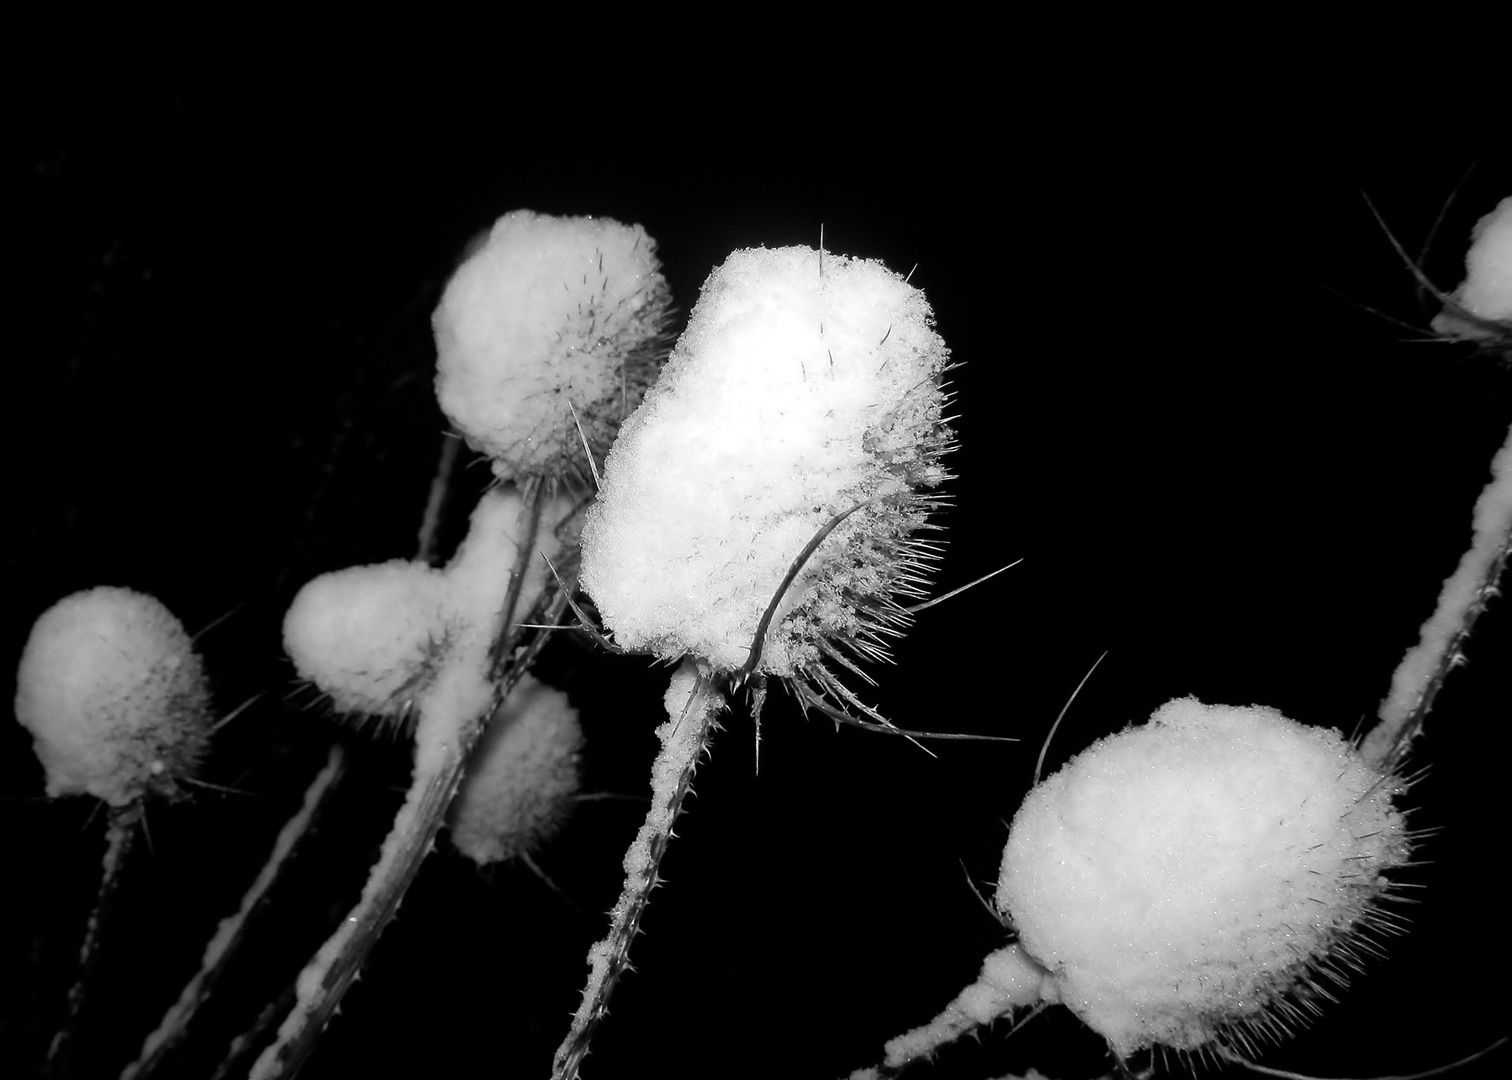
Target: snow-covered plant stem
[(232, 929), (229, 934), (1417, 679), (692, 701), (1481, 311), (453, 710), (119, 840)]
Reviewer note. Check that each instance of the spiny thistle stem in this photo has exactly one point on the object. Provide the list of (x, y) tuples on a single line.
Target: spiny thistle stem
[(241, 1046), (119, 839), (692, 701), (329, 975), (436, 779)]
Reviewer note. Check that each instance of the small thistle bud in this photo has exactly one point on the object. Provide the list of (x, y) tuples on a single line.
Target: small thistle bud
[(550, 315), (1188, 881), (520, 777), (114, 695), (807, 385)]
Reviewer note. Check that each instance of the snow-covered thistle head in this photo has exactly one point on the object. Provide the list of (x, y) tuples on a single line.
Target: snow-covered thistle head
[(1185, 883), (807, 385), (114, 695), (369, 636), (548, 316), (375, 639), (521, 776)]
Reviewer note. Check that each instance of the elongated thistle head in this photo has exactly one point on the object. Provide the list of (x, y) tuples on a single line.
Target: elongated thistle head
[(806, 386)]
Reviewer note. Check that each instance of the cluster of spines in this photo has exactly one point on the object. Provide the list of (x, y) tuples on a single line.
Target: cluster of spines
[(1294, 997), (637, 350), (877, 568)]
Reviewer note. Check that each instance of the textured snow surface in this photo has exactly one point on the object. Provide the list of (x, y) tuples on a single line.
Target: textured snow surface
[(1178, 877), (802, 382)]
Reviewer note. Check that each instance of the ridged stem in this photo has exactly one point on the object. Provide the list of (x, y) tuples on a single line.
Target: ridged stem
[(1417, 679), (684, 738), (335, 966)]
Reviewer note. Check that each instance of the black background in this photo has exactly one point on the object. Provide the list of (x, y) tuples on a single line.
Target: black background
[(1239, 483)]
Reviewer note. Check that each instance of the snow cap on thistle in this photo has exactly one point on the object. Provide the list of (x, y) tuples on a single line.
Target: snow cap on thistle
[(806, 384), (550, 311), (114, 695), (1187, 881)]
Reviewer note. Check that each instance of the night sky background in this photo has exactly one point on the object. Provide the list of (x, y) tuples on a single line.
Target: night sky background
[(1214, 464)]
